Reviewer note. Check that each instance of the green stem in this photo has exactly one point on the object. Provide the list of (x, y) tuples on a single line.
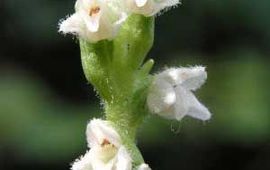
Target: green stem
[(127, 125)]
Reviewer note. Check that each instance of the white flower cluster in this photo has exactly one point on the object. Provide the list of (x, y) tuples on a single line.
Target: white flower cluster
[(96, 20), (106, 150), (171, 96)]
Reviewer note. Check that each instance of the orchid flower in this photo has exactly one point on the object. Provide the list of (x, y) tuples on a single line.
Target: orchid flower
[(95, 20), (106, 149), (171, 96)]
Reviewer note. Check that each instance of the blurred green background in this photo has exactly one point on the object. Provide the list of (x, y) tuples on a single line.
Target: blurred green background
[(45, 101)]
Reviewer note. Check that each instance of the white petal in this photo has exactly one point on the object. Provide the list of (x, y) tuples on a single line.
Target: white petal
[(93, 160), (149, 7), (72, 24), (189, 78), (99, 164), (84, 163), (144, 7), (182, 103), (161, 96), (144, 167), (198, 110), (171, 75), (163, 5), (187, 104), (168, 3), (92, 22), (82, 5), (123, 160), (195, 77), (99, 130), (141, 3)]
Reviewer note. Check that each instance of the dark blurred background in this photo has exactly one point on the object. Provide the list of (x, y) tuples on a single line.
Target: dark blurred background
[(45, 101)]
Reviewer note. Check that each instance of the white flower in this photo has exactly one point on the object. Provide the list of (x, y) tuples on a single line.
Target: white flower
[(171, 96), (107, 151), (149, 7), (95, 20), (144, 167)]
